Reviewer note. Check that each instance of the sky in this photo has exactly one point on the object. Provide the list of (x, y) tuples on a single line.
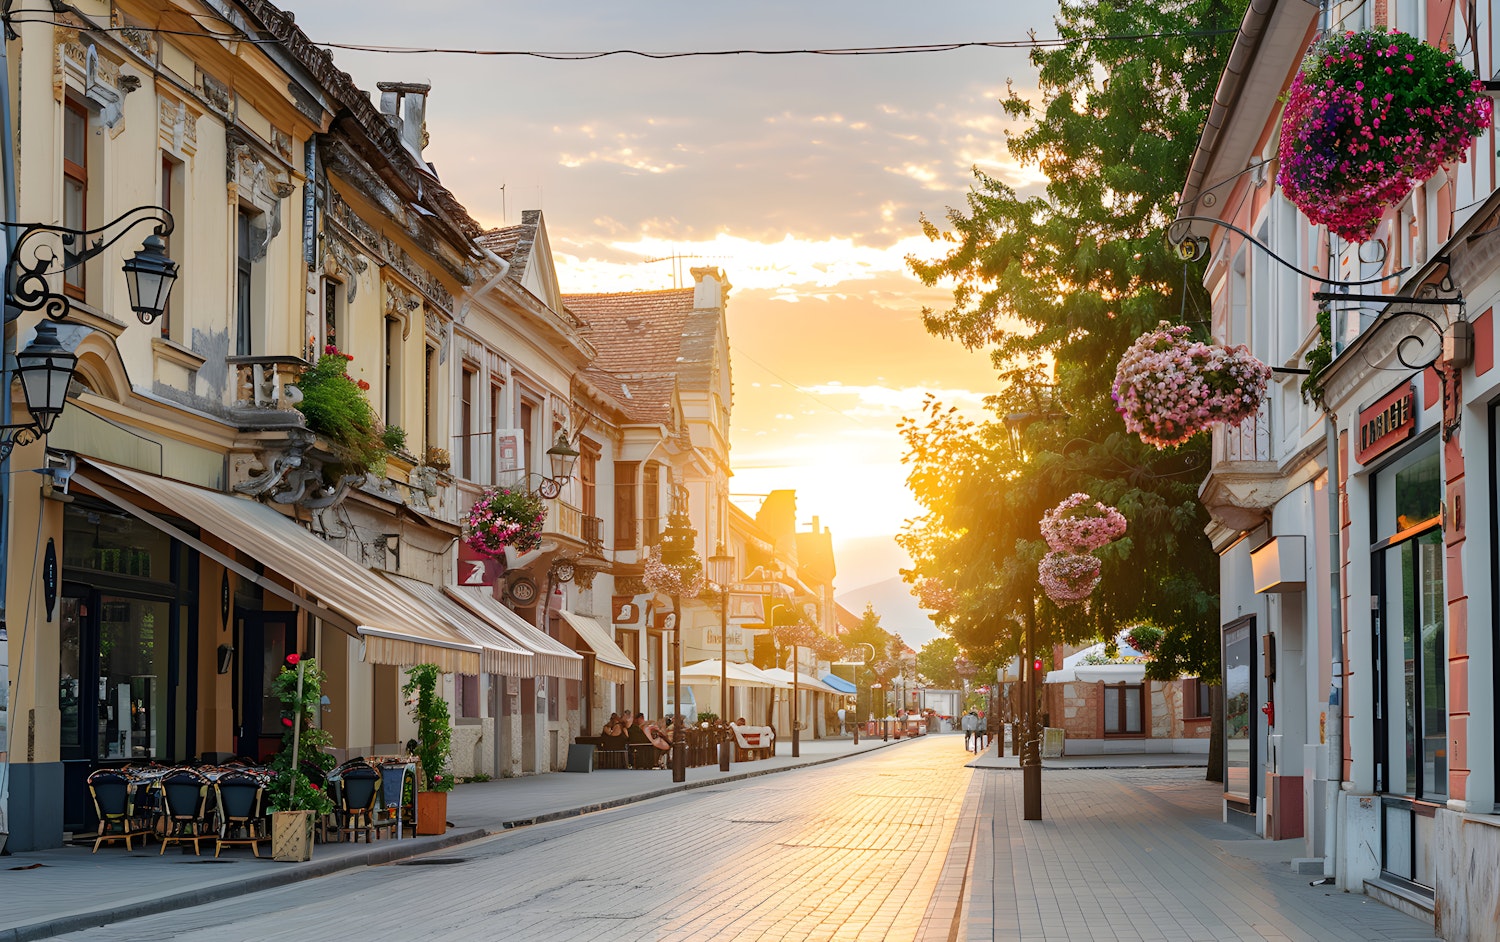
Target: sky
[(803, 177)]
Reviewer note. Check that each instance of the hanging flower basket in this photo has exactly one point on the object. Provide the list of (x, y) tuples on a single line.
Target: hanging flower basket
[(683, 581), (503, 517), (1369, 116), (1068, 578), (1169, 388), (1081, 524)]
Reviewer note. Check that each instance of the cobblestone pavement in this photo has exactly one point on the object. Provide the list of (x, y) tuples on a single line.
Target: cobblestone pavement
[(850, 850), (1142, 854)]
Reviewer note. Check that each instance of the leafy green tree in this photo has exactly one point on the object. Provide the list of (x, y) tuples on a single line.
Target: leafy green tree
[(1062, 282), (936, 664)]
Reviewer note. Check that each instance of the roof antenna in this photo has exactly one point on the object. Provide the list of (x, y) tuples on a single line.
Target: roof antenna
[(504, 219)]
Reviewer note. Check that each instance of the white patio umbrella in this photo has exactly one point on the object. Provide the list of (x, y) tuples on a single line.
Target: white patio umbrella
[(740, 675)]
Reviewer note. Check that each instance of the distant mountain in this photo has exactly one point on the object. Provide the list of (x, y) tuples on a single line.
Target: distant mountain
[(898, 609)]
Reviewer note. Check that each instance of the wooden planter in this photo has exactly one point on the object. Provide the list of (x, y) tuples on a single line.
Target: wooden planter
[(291, 835), (432, 812)]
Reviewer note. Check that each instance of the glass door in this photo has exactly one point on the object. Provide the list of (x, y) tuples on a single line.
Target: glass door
[(1240, 704)]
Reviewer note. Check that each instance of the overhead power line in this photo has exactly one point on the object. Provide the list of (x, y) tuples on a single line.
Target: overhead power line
[(1030, 42)]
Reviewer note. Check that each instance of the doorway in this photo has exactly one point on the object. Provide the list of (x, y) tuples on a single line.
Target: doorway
[(262, 642)]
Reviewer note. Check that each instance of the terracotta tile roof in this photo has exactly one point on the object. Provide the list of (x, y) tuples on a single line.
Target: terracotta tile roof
[(638, 332), (641, 398)]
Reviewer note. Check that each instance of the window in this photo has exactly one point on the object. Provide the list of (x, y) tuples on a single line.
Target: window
[(497, 404), (392, 374), (651, 504), (625, 523), (588, 476), (527, 416), (244, 321), (467, 429), (1122, 710), (1195, 699), (75, 190), (331, 319), (466, 694), (171, 201), (429, 412)]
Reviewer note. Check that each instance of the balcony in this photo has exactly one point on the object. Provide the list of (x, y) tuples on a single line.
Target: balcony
[(1244, 482)]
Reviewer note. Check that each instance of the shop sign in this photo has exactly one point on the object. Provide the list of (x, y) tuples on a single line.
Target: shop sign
[(624, 610), (475, 568), (1387, 423)]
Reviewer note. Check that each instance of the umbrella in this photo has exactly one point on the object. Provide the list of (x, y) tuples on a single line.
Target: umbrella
[(740, 675)]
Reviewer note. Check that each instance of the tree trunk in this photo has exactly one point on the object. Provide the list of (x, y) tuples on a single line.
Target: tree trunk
[(1216, 734)]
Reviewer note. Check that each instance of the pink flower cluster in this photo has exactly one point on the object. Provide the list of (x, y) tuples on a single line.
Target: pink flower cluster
[(668, 580), (1081, 524), (1068, 578), (503, 517), (1169, 388), (1369, 116)]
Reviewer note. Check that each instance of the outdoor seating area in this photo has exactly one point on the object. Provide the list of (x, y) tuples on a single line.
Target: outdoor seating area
[(224, 805), (616, 752), (753, 742)]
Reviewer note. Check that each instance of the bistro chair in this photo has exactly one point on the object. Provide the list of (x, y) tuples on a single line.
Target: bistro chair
[(184, 808), (241, 819), (113, 794), (398, 794), (613, 753), (359, 794)]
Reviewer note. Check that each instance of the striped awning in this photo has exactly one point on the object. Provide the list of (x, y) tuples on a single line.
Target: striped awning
[(610, 663), (549, 656), (497, 653)]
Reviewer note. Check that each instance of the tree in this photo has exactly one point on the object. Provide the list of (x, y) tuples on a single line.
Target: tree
[(1068, 279), (935, 664)]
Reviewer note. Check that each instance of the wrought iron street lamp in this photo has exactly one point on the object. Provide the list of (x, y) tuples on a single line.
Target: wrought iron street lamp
[(149, 274), (561, 457), (721, 572), (45, 369)]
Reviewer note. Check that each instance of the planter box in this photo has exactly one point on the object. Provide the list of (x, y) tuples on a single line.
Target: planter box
[(432, 812), (291, 835)]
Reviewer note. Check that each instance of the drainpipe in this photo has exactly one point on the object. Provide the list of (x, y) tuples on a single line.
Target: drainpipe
[(7, 356), (1335, 722)]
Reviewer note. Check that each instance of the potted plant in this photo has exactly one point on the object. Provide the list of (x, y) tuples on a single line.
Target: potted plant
[(294, 799), (503, 517), (1369, 116), (431, 747), (334, 405)]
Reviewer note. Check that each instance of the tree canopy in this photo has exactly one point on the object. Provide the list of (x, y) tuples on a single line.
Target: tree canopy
[(1058, 284)]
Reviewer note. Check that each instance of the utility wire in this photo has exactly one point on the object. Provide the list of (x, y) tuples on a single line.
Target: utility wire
[(894, 50)]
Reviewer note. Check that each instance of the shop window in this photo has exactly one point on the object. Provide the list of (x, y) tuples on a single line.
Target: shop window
[(466, 694), (1122, 710), (1196, 704)]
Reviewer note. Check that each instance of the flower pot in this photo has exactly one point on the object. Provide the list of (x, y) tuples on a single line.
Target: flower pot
[(432, 812), (291, 835)]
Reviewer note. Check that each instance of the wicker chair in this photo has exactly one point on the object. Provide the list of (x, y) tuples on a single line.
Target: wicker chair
[(113, 794), (184, 804), (359, 798)]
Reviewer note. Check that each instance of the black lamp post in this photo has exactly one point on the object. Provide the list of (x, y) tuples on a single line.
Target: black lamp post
[(677, 554), (721, 571)]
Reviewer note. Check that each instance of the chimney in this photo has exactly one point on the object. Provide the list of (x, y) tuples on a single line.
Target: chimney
[(710, 288), (405, 105)]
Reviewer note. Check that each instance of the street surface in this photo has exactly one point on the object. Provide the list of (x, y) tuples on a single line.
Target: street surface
[(848, 850), (881, 846)]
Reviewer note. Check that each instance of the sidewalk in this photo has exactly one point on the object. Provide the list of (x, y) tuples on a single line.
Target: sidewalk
[(50, 892)]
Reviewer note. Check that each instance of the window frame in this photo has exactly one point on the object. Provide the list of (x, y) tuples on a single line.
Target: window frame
[(75, 281), (1124, 731)]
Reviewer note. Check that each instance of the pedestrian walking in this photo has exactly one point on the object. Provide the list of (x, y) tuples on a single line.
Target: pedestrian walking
[(970, 724), (841, 720)]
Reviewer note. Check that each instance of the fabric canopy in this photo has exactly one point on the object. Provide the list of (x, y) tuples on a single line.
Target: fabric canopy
[(497, 655), (396, 629), (610, 663), (708, 672), (805, 681), (838, 683), (549, 656), (1098, 673)]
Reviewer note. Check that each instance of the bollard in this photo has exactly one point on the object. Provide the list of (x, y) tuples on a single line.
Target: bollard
[(1031, 792), (724, 754), (856, 734), (885, 730)]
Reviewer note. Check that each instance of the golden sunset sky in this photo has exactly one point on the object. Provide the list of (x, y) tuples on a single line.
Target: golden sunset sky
[(802, 177)]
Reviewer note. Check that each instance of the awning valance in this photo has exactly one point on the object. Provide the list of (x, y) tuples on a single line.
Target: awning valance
[(498, 654), (549, 657), (838, 683), (395, 628), (610, 663)]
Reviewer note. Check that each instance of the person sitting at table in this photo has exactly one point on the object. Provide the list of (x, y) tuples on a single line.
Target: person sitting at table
[(740, 721), (660, 742), (613, 727), (641, 753)]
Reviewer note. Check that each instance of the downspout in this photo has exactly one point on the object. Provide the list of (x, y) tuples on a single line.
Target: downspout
[(1335, 721), (499, 276), (7, 355)]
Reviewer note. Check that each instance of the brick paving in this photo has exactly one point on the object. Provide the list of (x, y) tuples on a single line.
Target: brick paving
[(920, 841)]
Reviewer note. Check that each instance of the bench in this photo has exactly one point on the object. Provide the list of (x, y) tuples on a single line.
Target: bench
[(753, 742)]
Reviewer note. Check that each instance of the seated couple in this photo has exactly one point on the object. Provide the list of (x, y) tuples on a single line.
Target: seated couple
[(647, 743)]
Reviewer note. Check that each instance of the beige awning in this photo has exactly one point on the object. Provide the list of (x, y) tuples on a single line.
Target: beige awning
[(549, 656), (396, 629), (610, 663), (497, 655), (804, 681)]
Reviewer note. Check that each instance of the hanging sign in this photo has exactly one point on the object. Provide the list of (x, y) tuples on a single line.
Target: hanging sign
[(49, 578), (522, 590), (475, 568), (1389, 422)]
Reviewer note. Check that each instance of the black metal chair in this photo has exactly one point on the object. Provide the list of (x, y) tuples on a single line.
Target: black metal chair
[(398, 793), (613, 752), (113, 794), (241, 818), (359, 794), (184, 805)]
